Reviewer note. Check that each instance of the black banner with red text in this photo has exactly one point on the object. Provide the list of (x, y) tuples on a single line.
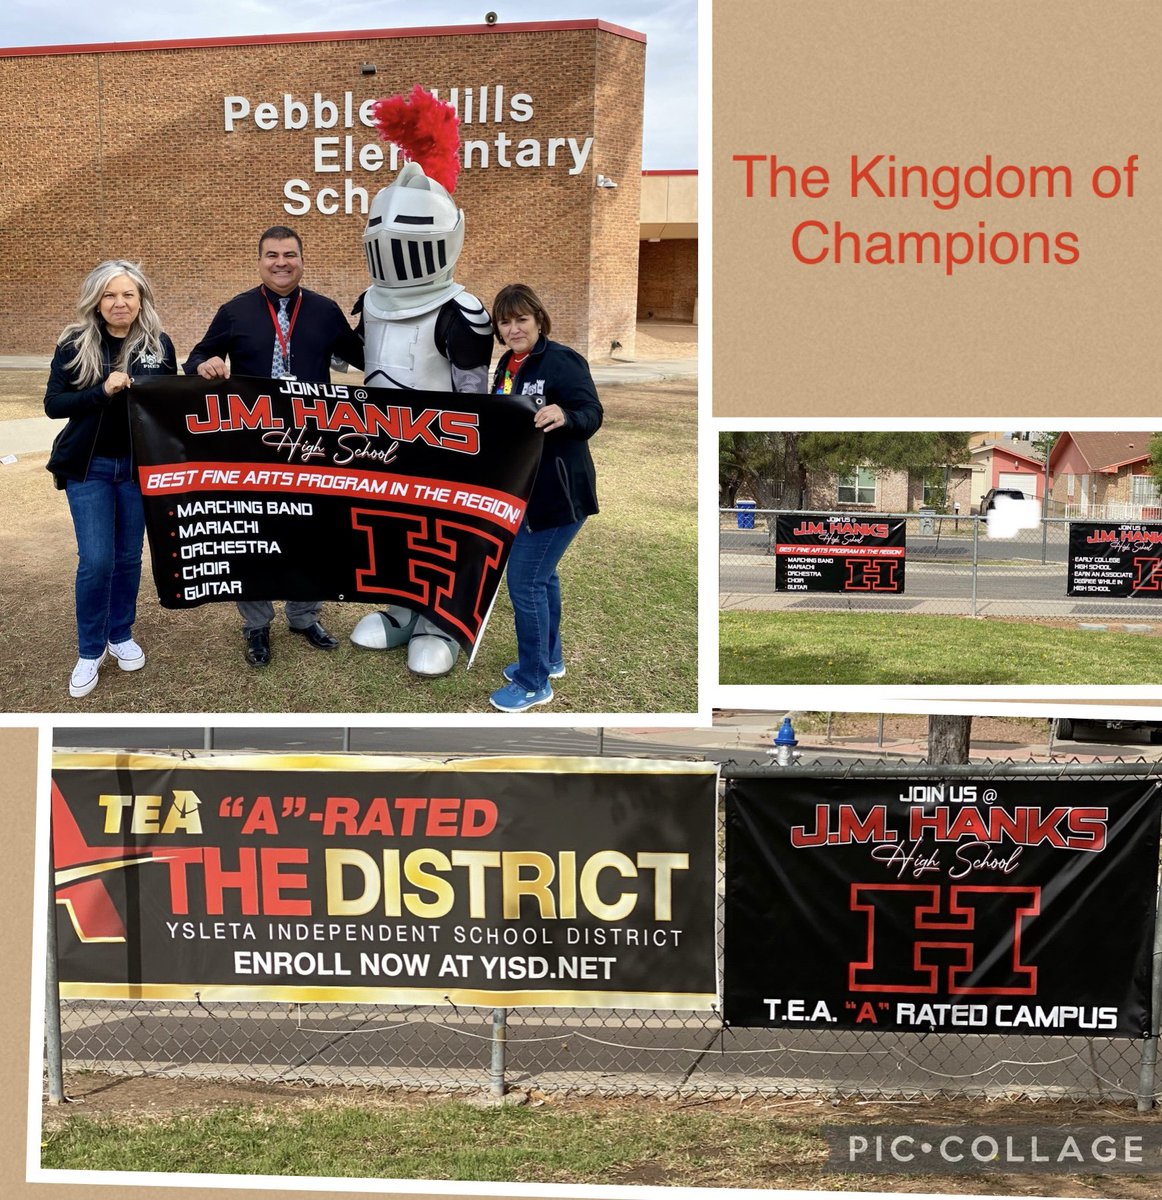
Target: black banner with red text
[(1115, 558), (259, 489), (379, 880), (816, 552), (986, 906)]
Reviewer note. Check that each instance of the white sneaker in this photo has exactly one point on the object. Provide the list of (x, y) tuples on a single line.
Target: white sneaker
[(84, 677), (129, 655)]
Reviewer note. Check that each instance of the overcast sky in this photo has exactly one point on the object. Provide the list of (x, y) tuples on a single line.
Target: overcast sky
[(670, 26)]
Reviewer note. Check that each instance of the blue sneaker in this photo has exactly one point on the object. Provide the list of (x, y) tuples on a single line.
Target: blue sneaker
[(515, 699), (556, 670)]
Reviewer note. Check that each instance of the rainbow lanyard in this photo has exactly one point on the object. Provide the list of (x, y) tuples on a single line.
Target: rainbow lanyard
[(510, 371)]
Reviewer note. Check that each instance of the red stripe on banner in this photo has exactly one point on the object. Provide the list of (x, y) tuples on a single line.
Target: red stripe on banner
[(844, 551), (175, 479)]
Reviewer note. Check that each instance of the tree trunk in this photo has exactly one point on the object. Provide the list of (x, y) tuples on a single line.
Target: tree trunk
[(948, 738)]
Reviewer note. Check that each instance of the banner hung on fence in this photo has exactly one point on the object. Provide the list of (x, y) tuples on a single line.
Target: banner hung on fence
[(1113, 558), (259, 489), (571, 881), (988, 906), (815, 552)]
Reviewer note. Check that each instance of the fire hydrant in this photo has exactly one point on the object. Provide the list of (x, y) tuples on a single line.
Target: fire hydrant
[(783, 751)]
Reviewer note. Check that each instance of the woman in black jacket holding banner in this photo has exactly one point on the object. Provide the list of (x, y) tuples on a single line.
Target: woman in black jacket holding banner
[(569, 413), (117, 334)]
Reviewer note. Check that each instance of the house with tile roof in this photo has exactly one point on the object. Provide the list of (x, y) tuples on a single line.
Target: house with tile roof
[(1104, 475)]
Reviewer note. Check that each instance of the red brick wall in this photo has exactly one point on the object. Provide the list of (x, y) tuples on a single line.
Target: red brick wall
[(123, 155), (668, 280), (616, 212)]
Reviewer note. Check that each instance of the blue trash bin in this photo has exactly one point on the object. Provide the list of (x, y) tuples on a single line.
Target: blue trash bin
[(746, 513)]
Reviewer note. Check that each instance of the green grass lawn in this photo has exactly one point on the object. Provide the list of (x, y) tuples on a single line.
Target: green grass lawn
[(871, 648), (768, 1144), (441, 1139)]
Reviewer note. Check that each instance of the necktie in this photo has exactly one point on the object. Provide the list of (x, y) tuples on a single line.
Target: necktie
[(278, 365)]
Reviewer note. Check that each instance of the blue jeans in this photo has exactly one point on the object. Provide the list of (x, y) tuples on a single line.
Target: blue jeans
[(535, 592), (109, 519)]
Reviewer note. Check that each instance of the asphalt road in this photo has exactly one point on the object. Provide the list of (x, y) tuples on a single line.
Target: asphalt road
[(498, 739), (1009, 588), (623, 1052)]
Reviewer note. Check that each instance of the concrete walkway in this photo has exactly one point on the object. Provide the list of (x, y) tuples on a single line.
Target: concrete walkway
[(23, 362), (34, 435), (30, 435), (645, 370)]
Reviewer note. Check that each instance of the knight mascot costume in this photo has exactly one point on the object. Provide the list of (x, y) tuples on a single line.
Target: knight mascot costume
[(420, 330)]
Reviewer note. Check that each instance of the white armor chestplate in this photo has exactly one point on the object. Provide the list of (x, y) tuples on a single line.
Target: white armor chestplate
[(403, 354), (399, 337)]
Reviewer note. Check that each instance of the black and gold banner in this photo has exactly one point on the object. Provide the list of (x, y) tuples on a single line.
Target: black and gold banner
[(259, 489), (554, 881), (987, 906)]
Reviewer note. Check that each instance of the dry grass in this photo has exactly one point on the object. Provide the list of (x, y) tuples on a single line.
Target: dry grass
[(200, 1125), (629, 582)]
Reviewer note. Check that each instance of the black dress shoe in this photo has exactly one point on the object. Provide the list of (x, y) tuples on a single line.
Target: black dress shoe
[(258, 647), (317, 636)]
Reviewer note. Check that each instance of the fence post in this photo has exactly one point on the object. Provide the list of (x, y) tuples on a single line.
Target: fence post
[(499, 1048), (975, 560), (54, 1059), (1146, 1069)]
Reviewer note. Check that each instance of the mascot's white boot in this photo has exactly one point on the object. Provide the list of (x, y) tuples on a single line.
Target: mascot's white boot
[(431, 652), (420, 330)]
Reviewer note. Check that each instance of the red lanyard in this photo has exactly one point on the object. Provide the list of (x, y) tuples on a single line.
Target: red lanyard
[(284, 342)]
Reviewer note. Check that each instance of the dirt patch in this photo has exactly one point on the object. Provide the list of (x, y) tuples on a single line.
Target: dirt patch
[(22, 394), (791, 1123)]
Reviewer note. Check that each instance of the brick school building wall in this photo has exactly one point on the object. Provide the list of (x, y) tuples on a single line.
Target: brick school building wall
[(177, 155)]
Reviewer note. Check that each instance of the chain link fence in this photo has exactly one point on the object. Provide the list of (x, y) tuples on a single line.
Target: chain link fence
[(596, 1052), (952, 567)]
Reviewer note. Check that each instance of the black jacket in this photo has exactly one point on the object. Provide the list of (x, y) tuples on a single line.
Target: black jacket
[(86, 408), (566, 485), (242, 330)]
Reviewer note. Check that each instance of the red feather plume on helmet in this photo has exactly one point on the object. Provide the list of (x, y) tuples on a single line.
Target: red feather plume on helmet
[(426, 130)]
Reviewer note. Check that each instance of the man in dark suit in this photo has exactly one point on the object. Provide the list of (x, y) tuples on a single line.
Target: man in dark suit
[(277, 330)]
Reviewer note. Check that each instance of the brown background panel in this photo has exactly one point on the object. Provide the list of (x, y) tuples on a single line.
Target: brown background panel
[(1072, 82)]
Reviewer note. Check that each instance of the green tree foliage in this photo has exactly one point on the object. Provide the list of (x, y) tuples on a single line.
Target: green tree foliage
[(773, 467), (764, 466), (1156, 459), (924, 453)]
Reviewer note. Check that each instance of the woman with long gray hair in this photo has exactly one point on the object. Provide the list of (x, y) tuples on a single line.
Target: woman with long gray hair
[(116, 335)]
